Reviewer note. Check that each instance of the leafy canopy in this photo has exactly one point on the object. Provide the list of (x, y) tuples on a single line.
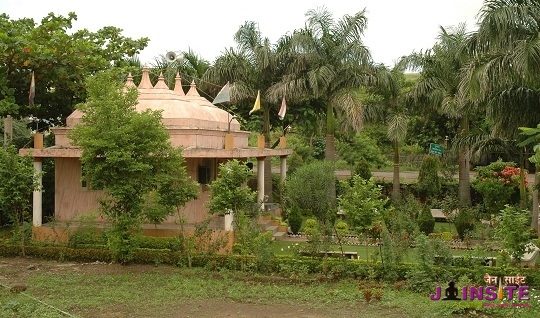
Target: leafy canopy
[(128, 154)]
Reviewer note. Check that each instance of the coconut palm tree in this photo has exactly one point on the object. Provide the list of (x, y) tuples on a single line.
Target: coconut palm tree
[(437, 88), (327, 63), (253, 66)]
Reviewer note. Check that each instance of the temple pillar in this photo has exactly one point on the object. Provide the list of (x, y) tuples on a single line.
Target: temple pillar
[(37, 195), (283, 169), (260, 181)]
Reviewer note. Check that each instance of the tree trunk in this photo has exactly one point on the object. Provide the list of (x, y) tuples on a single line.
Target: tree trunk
[(330, 149), (396, 193), (464, 166), (267, 160), (534, 212)]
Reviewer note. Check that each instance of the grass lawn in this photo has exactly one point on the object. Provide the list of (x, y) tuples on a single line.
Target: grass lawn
[(112, 290)]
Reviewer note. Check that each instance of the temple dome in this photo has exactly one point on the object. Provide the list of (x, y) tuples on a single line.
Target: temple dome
[(179, 110)]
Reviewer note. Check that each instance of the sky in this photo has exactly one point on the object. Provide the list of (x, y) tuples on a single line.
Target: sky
[(395, 27)]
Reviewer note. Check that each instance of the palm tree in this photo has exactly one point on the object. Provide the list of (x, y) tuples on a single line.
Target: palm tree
[(503, 75), (253, 66), (437, 88), (397, 120), (191, 67), (327, 63)]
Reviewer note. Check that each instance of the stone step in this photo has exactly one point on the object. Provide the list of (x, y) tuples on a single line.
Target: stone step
[(280, 236), (273, 229)]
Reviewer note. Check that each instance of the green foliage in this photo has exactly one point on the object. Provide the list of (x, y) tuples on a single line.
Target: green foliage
[(342, 228), (429, 182), (130, 162), (308, 189), (422, 276), (295, 220), (311, 227), (75, 54), (498, 183), (512, 230), (229, 192), (425, 129), (18, 181), (361, 148), (464, 221), (401, 220), (426, 221), (362, 169), (87, 233), (362, 203)]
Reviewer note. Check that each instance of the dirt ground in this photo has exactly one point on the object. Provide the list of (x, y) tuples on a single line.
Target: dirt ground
[(13, 270)]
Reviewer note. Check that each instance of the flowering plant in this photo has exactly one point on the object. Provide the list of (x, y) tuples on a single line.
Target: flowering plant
[(498, 183)]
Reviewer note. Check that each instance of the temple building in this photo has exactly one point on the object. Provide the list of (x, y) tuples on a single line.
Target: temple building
[(208, 135)]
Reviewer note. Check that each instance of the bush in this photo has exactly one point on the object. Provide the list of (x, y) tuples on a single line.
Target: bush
[(362, 170), (295, 221), (429, 182), (498, 184), (464, 222), (311, 227), (426, 221), (342, 228), (310, 187)]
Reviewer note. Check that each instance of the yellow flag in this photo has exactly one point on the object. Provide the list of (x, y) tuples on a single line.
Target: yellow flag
[(257, 105)]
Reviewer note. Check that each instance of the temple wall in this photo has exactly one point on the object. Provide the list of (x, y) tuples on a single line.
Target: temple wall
[(73, 200)]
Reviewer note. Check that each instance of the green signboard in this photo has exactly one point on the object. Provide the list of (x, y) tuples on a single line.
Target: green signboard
[(435, 149)]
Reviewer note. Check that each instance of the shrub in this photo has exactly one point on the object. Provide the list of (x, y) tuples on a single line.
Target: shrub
[(342, 228), (426, 221), (429, 182), (464, 222), (498, 184), (309, 189), (512, 230), (295, 220), (362, 170), (311, 227)]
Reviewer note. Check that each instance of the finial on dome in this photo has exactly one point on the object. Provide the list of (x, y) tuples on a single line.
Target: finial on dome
[(145, 80), (129, 81), (178, 85), (161, 82), (193, 90)]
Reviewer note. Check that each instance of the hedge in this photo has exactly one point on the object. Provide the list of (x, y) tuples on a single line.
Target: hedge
[(333, 268)]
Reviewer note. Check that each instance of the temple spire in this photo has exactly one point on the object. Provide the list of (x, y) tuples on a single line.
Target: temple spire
[(178, 85), (145, 80), (161, 82), (129, 81), (193, 90)]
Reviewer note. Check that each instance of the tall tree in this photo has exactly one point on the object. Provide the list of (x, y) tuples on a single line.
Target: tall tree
[(130, 161), (328, 63), (503, 74), (437, 88), (61, 60)]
